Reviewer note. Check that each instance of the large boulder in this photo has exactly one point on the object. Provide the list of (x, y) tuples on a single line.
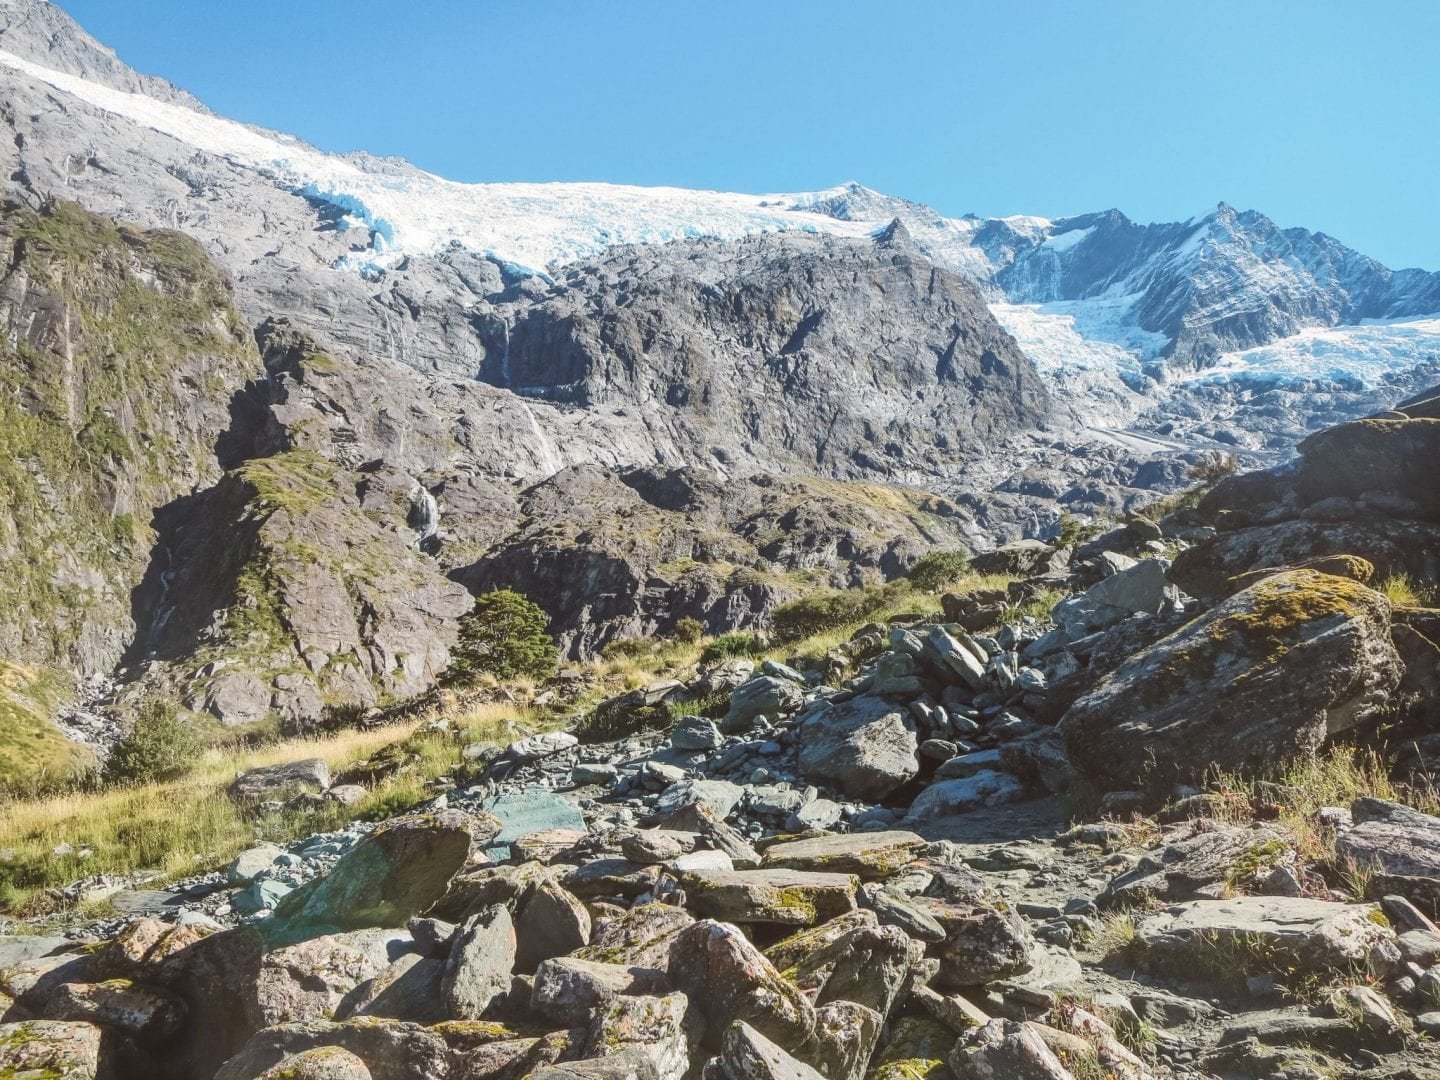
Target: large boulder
[(280, 782), (309, 980), (1262, 678), (50, 1050), (1023, 558), (397, 871), (1143, 588), (1362, 457), (727, 979), (779, 896), (866, 747), (1247, 935), (1396, 848), (390, 1049)]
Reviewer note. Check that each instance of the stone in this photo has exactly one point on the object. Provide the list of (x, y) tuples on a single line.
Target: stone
[(816, 814), (1140, 589), (870, 856), (1198, 860), (1224, 937), (641, 937), (866, 747), (549, 922), (1264, 677), (260, 896), (894, 908), (695, 733), (702, 820), (347, 795), (319, 1063), (411, 988), (846, 1034), (1006, 1050), (568, 990), (869, 965), (277, 783), (400, 869), (915, 1050), (956, 658), (777, 896), (1398, 849), (1023, 558), (982, 942), (727, 979), (251, 862), (657, 845), (746, 1054), (308, 980), (764, 696), (946, 797), (594, 773), (720, 796), (655, 1026), (632, 1063), (482, 958), (547, 846), (523, 813), (539, 746), (602, 878), (50, 1050), (390, 1049), (146, 1013)]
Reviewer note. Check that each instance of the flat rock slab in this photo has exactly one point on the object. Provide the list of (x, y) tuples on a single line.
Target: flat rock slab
[(1399, 847), (526, 813), (783, 897), (870, 856), (1246, 935)]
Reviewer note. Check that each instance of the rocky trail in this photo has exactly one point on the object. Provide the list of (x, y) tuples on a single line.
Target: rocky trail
[(1046, 851)]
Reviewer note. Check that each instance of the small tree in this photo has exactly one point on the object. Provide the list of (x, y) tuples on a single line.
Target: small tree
[(503, 635), (160, 746), (938, 569)]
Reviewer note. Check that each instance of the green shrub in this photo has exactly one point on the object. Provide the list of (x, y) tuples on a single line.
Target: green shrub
[(689, 630), (829, 609), (160, 746), (503, 635), (728, 645), (938, 569), (1075, 531)]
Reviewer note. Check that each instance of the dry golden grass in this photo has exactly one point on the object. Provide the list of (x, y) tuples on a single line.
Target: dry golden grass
[(189, 825)]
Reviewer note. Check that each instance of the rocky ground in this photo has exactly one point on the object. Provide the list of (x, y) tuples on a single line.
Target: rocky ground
[(966, 843)]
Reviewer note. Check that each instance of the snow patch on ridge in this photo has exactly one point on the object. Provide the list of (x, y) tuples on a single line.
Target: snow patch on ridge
[(534, 227)]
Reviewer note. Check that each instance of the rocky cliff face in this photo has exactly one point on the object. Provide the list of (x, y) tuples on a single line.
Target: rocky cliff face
[(846, 357)]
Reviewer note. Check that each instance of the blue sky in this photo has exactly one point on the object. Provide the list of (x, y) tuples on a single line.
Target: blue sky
[(1320, 113)]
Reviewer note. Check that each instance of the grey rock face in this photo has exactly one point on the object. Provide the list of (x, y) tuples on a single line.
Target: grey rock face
[(865, 747), (1316, 659), (1398, 847)]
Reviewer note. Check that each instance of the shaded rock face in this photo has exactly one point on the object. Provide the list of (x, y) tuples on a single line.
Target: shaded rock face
[(105, 332), (1364, 489), (627, 553), (1266, 676), (768, 338)]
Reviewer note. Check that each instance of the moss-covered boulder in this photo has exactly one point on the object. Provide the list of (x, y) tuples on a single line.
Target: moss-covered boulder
[(1264, 677), (51, 1050)]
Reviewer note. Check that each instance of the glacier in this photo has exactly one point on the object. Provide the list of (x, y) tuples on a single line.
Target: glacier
[(1089, 339)]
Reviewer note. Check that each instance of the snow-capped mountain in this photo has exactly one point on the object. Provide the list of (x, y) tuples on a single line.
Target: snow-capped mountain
[(1119, 313)]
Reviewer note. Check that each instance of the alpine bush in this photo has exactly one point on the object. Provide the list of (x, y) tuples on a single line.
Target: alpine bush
[(160, 746), (505, 636)]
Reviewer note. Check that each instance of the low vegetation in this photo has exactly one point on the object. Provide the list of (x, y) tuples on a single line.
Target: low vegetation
[(187, 824), (1404, 591), (160, 746)]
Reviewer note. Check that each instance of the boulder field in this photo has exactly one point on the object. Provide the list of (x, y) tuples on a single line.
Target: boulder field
[(954, 846)]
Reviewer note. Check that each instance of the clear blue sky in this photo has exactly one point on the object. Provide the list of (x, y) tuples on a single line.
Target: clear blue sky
[(1321, 113)]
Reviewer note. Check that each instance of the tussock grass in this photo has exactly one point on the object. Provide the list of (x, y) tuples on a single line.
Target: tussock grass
[(1404, 591), (1294, 796), (189, 825)]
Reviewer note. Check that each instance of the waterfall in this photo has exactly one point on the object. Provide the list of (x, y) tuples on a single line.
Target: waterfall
[(424, 514)]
